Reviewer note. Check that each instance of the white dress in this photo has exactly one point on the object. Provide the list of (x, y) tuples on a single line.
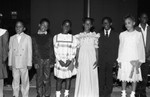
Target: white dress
[(87, 76), (131, 47), (65, 46)]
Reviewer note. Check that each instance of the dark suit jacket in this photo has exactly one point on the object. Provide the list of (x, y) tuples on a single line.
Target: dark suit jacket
[(108, 47), (147, 46)]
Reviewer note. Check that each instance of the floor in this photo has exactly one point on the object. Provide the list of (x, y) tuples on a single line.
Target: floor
[(8, 90)]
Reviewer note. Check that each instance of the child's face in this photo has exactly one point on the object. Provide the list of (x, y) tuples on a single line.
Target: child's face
[(44, 26), (19, 27), (143, 18), (106, 24), (129, 24), (66, 27), (87, 25)]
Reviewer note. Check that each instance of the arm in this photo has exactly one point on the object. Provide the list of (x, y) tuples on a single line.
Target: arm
[(35, 51), (29, 52), (141, 49), (52, 56), (5, 46), (10, 52), (119, 51)]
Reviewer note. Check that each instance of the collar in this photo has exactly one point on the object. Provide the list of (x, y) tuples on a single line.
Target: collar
[(40, 32), (145, 27), (20, 34), (107, 30)]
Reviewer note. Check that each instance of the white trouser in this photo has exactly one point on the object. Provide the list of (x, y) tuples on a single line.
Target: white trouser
[(23, 73), (1, 87)]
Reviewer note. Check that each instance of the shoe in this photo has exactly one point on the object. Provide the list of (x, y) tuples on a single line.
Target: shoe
[(132, 94), (123, 94), (66, 96)]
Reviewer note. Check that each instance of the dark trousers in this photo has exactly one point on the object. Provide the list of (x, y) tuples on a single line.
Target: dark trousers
[(141, 86), (43, 81), (105, 79)]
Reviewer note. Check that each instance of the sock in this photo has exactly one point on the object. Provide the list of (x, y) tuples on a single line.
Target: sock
[(132, 93), (58, 93), (66, 92)]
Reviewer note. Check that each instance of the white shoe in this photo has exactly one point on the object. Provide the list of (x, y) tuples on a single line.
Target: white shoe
[(132, 94), (123, 94)]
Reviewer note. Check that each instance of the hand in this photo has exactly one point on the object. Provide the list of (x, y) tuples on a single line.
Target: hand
[(95, 64), (51, 65), (10, 67), (68, 63), (29, 67), (134, 62), (36, 66), (62, 63), (71, 67), (119, 64)]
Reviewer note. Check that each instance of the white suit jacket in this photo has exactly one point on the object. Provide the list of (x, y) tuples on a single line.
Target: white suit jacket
[(20, 54)]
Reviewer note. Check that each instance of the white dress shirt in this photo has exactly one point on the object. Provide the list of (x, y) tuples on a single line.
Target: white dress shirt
[(19, 37), (108, 32), (144, 32)]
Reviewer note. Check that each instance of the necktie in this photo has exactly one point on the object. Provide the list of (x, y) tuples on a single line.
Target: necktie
[(106, 33)]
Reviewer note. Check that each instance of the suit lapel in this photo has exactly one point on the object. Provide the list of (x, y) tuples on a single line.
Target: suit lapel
[(16, 41), (148, 37), (22, 38)]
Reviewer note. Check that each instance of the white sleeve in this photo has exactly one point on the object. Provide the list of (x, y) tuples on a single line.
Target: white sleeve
[(120, 47), (56, 51)]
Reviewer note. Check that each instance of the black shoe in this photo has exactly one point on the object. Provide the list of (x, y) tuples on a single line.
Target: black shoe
[(47, 96), (143, 95)]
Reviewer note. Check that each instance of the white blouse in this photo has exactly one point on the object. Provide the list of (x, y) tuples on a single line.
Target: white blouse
[(131, 47), (65, 46)]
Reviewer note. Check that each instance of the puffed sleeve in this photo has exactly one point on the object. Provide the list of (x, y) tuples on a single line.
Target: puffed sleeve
[(96, 40), (141, 49), (120, 47), (56, 50), (77, 40)]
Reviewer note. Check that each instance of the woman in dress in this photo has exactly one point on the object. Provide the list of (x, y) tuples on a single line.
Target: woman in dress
[(87, 76), (130, 56)]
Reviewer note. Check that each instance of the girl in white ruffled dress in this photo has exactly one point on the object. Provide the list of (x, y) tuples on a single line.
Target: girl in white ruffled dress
[(87, 75), (130, 56)]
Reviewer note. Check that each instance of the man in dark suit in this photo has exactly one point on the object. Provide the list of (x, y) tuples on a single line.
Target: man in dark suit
[(144, 28), (108, 52)]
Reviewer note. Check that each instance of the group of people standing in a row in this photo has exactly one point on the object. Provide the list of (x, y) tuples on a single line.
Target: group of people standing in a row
[(88, 55)]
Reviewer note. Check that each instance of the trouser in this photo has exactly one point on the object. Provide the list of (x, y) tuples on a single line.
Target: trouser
[(105, 79), (141, 86), (43, 81), (1, 87), (23, 73)]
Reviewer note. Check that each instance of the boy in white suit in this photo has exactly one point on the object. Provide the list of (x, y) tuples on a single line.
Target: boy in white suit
[(20, 59)]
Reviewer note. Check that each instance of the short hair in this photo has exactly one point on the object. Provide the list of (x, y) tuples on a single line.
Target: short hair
[(107, 18), (21, 21), (142, 13), (45, 20), (88, 18), (67, 21), (129, 16)]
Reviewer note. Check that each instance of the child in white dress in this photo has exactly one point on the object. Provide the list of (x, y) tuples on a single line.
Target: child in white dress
[(130, 56), (87, 57), (65, 46)]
